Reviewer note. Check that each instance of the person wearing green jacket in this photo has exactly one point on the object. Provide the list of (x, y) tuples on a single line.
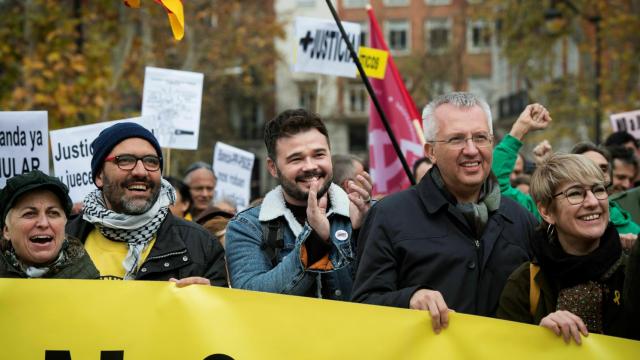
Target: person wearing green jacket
[(536, 117)]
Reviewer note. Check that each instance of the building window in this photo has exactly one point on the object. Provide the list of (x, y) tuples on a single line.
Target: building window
[(358, 136), (364, 33), (438, 32), (440, 87), (478, 37), (481, 86), (437, 2), (247, 117), (307, 95), (351, 4), (355, 99), (395, 2), (398, 36)]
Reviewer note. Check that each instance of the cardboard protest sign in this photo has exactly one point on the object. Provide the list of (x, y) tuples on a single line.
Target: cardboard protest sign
[(71, 151), (627, 121), (172, 100), (321, 49), (24, 145), (233, 167), (374, 61)]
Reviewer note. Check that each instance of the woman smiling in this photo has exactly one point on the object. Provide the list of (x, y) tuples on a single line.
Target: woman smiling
[(33, 213), (576, 283)]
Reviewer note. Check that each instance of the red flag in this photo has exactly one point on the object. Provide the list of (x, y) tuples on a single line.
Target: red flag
[(404, 119)]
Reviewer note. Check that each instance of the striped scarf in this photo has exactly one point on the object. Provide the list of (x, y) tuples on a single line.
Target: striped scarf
[(135, 230)]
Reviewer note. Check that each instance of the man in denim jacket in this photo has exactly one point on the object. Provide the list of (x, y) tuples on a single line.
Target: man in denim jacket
[(315, 221)]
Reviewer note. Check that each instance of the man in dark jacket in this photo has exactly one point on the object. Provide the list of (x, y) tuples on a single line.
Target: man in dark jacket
[(126, 226), (451, 241)]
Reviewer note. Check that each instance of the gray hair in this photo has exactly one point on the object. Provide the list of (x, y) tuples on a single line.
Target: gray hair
[(461, 100), (197, 166)]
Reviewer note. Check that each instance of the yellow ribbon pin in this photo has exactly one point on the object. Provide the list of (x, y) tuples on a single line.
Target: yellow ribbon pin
[(616, 297)]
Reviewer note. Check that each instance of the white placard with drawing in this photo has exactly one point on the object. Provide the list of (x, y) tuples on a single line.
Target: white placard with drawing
[(172, 99)]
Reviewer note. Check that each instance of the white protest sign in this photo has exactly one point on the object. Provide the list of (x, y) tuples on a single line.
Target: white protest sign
[(321, 49), (627, 121), (232, 167), (172, 100), (71, 151), (24, 145)]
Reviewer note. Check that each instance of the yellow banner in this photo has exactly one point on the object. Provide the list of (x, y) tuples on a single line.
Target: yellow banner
[(374, 61), (87, 319)]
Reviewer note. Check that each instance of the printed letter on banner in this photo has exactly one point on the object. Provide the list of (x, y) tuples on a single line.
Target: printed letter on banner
[(627, 121), (374, 61), (320, 48)]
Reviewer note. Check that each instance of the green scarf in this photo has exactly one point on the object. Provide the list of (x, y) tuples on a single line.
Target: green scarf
[(476, 214)]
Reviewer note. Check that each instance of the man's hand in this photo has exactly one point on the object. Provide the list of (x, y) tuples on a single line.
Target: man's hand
[(534, 117), (433, 302), (565, 323), (360, 199), (542, 152), (192, 280), (627, 241), (317, 212)]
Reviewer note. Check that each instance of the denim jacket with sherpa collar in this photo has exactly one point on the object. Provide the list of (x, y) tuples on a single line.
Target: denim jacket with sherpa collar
[(250, 268)]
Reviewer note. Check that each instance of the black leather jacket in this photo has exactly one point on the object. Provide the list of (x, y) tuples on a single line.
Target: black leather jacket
[(182, 249)]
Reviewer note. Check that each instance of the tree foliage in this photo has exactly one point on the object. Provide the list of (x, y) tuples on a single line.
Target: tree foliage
[(83, 61), (537, 48)]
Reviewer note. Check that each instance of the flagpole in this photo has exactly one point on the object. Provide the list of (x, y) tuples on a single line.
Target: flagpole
[(376, 103)]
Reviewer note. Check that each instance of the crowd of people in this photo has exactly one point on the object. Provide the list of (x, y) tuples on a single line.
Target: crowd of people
[(485, 230)]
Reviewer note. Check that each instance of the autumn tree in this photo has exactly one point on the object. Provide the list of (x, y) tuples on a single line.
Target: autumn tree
[(83, 61), (538, 47)]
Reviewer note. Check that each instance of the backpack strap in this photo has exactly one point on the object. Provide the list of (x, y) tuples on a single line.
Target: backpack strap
[(272, 239), (534, 289)]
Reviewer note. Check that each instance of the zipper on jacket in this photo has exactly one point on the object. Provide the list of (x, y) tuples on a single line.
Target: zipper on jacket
[(166, 255)]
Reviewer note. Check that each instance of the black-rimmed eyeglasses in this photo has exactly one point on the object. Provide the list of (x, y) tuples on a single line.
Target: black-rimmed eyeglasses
[(128, 161)]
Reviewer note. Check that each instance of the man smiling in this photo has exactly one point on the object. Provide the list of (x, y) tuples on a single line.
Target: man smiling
[(126, 226), (451, 241), (300, 241)]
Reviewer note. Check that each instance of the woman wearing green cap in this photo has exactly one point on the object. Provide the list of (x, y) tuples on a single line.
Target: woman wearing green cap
[(34, 209)]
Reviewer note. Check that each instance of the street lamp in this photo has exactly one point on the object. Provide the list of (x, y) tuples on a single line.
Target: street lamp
[(552, 13)]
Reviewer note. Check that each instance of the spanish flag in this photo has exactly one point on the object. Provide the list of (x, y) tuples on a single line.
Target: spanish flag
[(175, 11)]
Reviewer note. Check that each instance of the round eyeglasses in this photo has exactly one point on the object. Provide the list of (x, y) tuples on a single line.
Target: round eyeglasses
[(576, 195)]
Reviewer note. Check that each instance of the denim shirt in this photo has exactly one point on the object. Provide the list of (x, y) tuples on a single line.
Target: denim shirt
[(251, 269)]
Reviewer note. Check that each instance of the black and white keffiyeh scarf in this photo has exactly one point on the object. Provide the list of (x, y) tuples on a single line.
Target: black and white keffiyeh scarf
[(135, 230)]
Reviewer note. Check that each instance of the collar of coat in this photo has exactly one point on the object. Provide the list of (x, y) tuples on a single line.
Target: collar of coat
[(168, 237), (434, 201), (274, 206)]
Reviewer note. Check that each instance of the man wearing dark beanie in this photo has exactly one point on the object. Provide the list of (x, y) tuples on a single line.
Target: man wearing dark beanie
[(126, 226)]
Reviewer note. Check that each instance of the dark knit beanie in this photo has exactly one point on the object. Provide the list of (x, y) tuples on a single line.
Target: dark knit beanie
[(112, 136)]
